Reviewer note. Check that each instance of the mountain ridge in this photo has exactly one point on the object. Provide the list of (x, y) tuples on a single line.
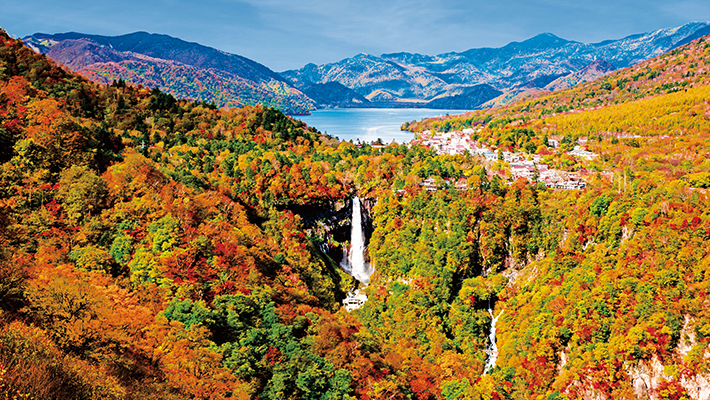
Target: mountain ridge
[(532, 63), (168, 47), (540, 63)]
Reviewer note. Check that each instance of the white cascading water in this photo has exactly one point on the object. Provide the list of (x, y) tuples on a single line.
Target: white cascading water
[(359, 268), (354, 261), (492, 347)]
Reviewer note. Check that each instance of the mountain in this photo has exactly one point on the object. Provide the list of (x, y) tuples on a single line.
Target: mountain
[(590, 72), (470, 99), (468, 80), (618, 92), (334, 93), (638, 124), (535, 63), (184, 69), (537, 87)]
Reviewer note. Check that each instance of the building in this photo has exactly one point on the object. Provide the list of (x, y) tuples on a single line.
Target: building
[(354, 300)]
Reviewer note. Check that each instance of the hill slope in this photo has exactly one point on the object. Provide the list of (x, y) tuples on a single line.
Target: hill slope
[(184, 69), (594, 312)]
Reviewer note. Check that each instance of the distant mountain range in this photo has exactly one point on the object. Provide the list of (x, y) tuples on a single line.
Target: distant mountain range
[(453, 80), (471, 79)]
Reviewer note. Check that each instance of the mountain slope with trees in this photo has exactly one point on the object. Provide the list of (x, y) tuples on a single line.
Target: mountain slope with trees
[(183, 69), (162, 248)]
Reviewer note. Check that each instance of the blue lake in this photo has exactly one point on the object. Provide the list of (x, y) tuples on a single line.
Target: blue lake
[(369, 124)]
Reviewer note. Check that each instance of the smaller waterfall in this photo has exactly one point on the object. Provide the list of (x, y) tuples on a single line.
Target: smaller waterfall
[(492, 349)]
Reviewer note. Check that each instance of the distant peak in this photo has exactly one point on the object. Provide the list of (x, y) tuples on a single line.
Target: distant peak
[(693, 24), (548, 34), (546, 37), (541, 41)]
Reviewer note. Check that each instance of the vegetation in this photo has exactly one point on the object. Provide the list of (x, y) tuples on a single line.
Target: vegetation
[(153, 248), (222, 88)]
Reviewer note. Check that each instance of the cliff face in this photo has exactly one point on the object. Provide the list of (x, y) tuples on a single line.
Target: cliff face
[(331, 226), (648, 378)]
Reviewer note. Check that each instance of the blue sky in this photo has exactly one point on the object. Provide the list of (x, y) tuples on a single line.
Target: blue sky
[(287, 34)]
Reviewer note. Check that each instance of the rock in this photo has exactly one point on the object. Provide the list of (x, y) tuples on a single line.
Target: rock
[(640, 388)]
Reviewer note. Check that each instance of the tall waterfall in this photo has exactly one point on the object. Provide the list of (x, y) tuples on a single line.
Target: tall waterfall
[(492, 349), (354, 260), (359, 268)]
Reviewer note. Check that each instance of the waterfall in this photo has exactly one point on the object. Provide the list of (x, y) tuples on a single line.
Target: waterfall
[(492, 349), (354, 260), (359, 268)]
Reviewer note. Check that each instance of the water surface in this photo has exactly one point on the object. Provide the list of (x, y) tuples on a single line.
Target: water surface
[(369, 124)]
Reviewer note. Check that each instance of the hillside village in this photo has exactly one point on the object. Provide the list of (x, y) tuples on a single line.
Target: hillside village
[(530, 167)]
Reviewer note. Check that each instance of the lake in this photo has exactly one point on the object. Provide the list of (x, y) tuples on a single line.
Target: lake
[(369, 124)]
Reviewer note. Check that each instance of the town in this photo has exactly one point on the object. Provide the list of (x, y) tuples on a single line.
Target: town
[(528, 166)]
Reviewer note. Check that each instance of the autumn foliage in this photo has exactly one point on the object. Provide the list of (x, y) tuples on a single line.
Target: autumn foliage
[(152, 247)]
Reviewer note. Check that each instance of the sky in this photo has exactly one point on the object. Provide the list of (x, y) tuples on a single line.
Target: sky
[(287, 34)]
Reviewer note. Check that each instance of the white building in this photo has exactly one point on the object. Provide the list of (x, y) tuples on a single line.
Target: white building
[(354, 300)]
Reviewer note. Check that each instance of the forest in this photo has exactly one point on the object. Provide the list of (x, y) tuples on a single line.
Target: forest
[(154, 247)]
